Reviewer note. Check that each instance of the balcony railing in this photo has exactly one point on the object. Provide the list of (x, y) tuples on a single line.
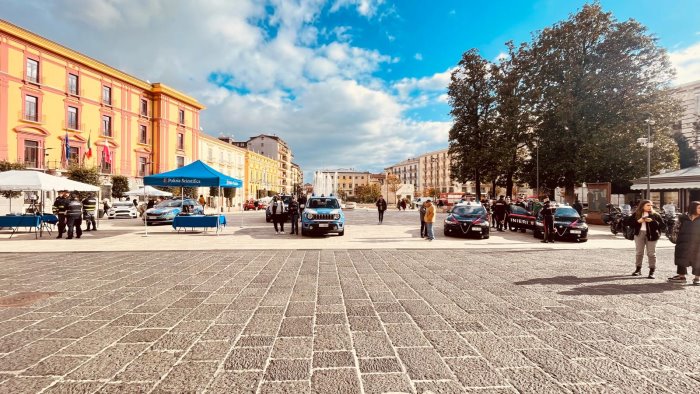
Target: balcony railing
[(31, 117), (74, 126), (32, 164), (79, 92)]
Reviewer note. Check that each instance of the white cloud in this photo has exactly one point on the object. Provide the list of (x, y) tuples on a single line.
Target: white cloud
[(687, 63), (418, 56), (322, 98)]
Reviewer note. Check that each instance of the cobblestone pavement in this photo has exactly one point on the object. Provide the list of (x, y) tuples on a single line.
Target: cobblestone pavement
[(345, 321)]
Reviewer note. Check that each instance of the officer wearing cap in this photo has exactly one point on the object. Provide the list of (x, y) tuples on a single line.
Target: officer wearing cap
[(548, 215), (499, 209), (59, 209), (89, 206), (74, 214)]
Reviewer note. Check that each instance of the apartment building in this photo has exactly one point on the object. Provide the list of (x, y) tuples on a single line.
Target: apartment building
[(59, 106), (406, 171), (226, 158), (434, 173), (262, 176), (347, 180), (276, 148), (297, 179), (689, 96)]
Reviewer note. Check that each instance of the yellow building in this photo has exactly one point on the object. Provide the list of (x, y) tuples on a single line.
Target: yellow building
[(297, 177), (226, 158), (262, 176), (49, 92)]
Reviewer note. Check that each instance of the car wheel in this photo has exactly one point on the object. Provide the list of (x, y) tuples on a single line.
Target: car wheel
[(522, 230), (485, 236), (341, 233), (304, 233), (537, 234), (445, 232)]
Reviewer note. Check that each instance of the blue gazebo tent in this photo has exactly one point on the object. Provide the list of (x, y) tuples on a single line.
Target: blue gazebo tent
[(195, 174)]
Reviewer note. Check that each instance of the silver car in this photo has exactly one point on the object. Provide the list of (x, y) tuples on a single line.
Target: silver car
[(122, 209)]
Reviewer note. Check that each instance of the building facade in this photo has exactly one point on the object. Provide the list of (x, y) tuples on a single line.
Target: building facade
[(434, 173), (297, 179), (689, 96), (276, 148), (225, 158), (347, 180), (406, 171), (57, 105), (262, 176)]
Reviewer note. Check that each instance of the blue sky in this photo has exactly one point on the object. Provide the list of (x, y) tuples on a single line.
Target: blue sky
[(348, 83)]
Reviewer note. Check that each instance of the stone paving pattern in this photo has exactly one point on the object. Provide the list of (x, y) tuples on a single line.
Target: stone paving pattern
[(346, 321)]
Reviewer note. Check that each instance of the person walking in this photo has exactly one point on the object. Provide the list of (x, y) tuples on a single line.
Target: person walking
[(278, 214), (429, 219), (423, 227), (499, 209), (548, 218), (293, 210), (381, 207), (89, 207), (687, 253), (202, 201), (74, 214), (60, 205), (647, 225)]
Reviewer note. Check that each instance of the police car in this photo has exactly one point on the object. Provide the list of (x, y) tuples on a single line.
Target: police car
[(520, 218), (467, 219), (322, 215), (568, 224)]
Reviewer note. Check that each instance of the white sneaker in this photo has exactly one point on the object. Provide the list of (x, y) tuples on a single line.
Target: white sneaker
[(277, 233)]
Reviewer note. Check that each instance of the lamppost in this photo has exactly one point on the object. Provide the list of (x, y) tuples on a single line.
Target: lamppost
[(437, 171), (650, 122), (537, 155)]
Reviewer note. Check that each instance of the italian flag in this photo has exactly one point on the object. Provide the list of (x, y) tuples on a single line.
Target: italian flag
[(88, 154)]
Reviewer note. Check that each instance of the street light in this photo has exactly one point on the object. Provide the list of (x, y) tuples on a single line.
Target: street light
[(649, 122)]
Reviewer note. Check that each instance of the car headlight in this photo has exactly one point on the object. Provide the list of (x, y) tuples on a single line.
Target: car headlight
[(170, 214), (309, 216), (336, 216)]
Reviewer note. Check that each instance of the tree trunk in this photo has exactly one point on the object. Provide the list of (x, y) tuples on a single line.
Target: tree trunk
[(493, 188), (477, 184), (509, 184), (569, 193)]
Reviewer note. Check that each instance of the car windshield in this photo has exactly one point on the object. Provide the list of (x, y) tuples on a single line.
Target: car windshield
[(468, 210), (330, 203), (566, 212), (169, 204)]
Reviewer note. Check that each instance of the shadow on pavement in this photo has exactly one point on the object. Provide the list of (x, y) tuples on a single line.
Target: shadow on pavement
[(573, 280), (622, 289)]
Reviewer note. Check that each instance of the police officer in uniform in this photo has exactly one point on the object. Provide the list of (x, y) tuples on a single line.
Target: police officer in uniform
[(499, 209), (548, 215), (302, 203), (294, 215), (519, 202), (59, 209), (89, 206), (74, 214)]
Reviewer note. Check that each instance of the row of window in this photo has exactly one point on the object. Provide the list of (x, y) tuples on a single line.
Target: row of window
[(32, 75)]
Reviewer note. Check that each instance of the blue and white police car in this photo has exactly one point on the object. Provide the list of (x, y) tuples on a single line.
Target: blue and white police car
[(322, 215)]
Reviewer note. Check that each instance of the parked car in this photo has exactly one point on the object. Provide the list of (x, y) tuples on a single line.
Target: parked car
[(122, 209), (268, 210), (166, 210), (350, 205), (521, 219), (568, 224), (323, 215), (252, 205), (467, 219)]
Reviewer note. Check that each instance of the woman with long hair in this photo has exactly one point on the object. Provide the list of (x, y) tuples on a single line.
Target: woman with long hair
[(647, 225), (687, 253)]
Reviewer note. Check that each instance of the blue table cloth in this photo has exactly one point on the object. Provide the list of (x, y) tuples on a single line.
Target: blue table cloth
[(32, 222), (199, 221)]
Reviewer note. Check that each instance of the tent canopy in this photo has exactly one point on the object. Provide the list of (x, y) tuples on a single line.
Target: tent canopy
[(21, 180), (195, 174), (149, 191)]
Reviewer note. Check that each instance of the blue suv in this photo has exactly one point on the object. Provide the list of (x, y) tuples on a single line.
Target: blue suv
[(322, 215)]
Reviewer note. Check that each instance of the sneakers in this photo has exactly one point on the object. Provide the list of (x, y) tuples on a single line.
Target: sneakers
[(677, 279), (651, 273), (637, 272), (696, 282)]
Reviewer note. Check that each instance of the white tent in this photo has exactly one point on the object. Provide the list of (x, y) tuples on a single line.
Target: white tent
[(18, 181), (147, 191)]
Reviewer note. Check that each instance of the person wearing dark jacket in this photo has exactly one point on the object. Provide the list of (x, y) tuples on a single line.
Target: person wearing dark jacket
[(381, 207), (423, 226), (59, 209), (74, 214), (647, 226), (687, 253), (89, 207), (278, 214), (499, 209), (578, 207), (548, 210), (293, 209)]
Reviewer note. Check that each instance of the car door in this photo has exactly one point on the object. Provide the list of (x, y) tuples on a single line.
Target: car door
[(521, 218)]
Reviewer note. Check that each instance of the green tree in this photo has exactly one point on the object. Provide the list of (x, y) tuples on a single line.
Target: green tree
[(8, 166), (593, 81), (394, 183), (214, 191), (120, 185), (471, 96), (80, 173), (687, 155)]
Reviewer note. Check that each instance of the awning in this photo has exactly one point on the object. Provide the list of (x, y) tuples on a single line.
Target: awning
[(667, 186), (196, 174)]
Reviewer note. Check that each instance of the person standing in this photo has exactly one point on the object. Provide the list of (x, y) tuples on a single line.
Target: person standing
[(423, 227), (578, 207), (647, 225), (687, 253), (89, 206), (499, 209), (59, 209), (429, 219), (548, 220), (201, 200), (381, 207), (302, 204), (74, 214), (278, 214), (293, 210)]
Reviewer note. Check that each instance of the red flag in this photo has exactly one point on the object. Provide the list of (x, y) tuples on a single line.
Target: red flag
[(107, 154), (88, 154)]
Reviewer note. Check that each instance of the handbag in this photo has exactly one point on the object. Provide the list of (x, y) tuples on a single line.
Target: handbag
[(629, 233)]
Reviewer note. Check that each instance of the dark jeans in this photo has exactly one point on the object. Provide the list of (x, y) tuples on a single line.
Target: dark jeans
[(61, 225), (381, 216), (500, 219), (423, 229), (90, 219), (549, 228), (278, 219), (681, 270), (295, 224), (75, 222)]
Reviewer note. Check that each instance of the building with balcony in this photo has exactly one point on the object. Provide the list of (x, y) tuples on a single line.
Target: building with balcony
[(51, 94), (262, 176), (297, 179), (276, 148), (347, 180), (226, 158), (406, 171), (434, 173), (689, 96)]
